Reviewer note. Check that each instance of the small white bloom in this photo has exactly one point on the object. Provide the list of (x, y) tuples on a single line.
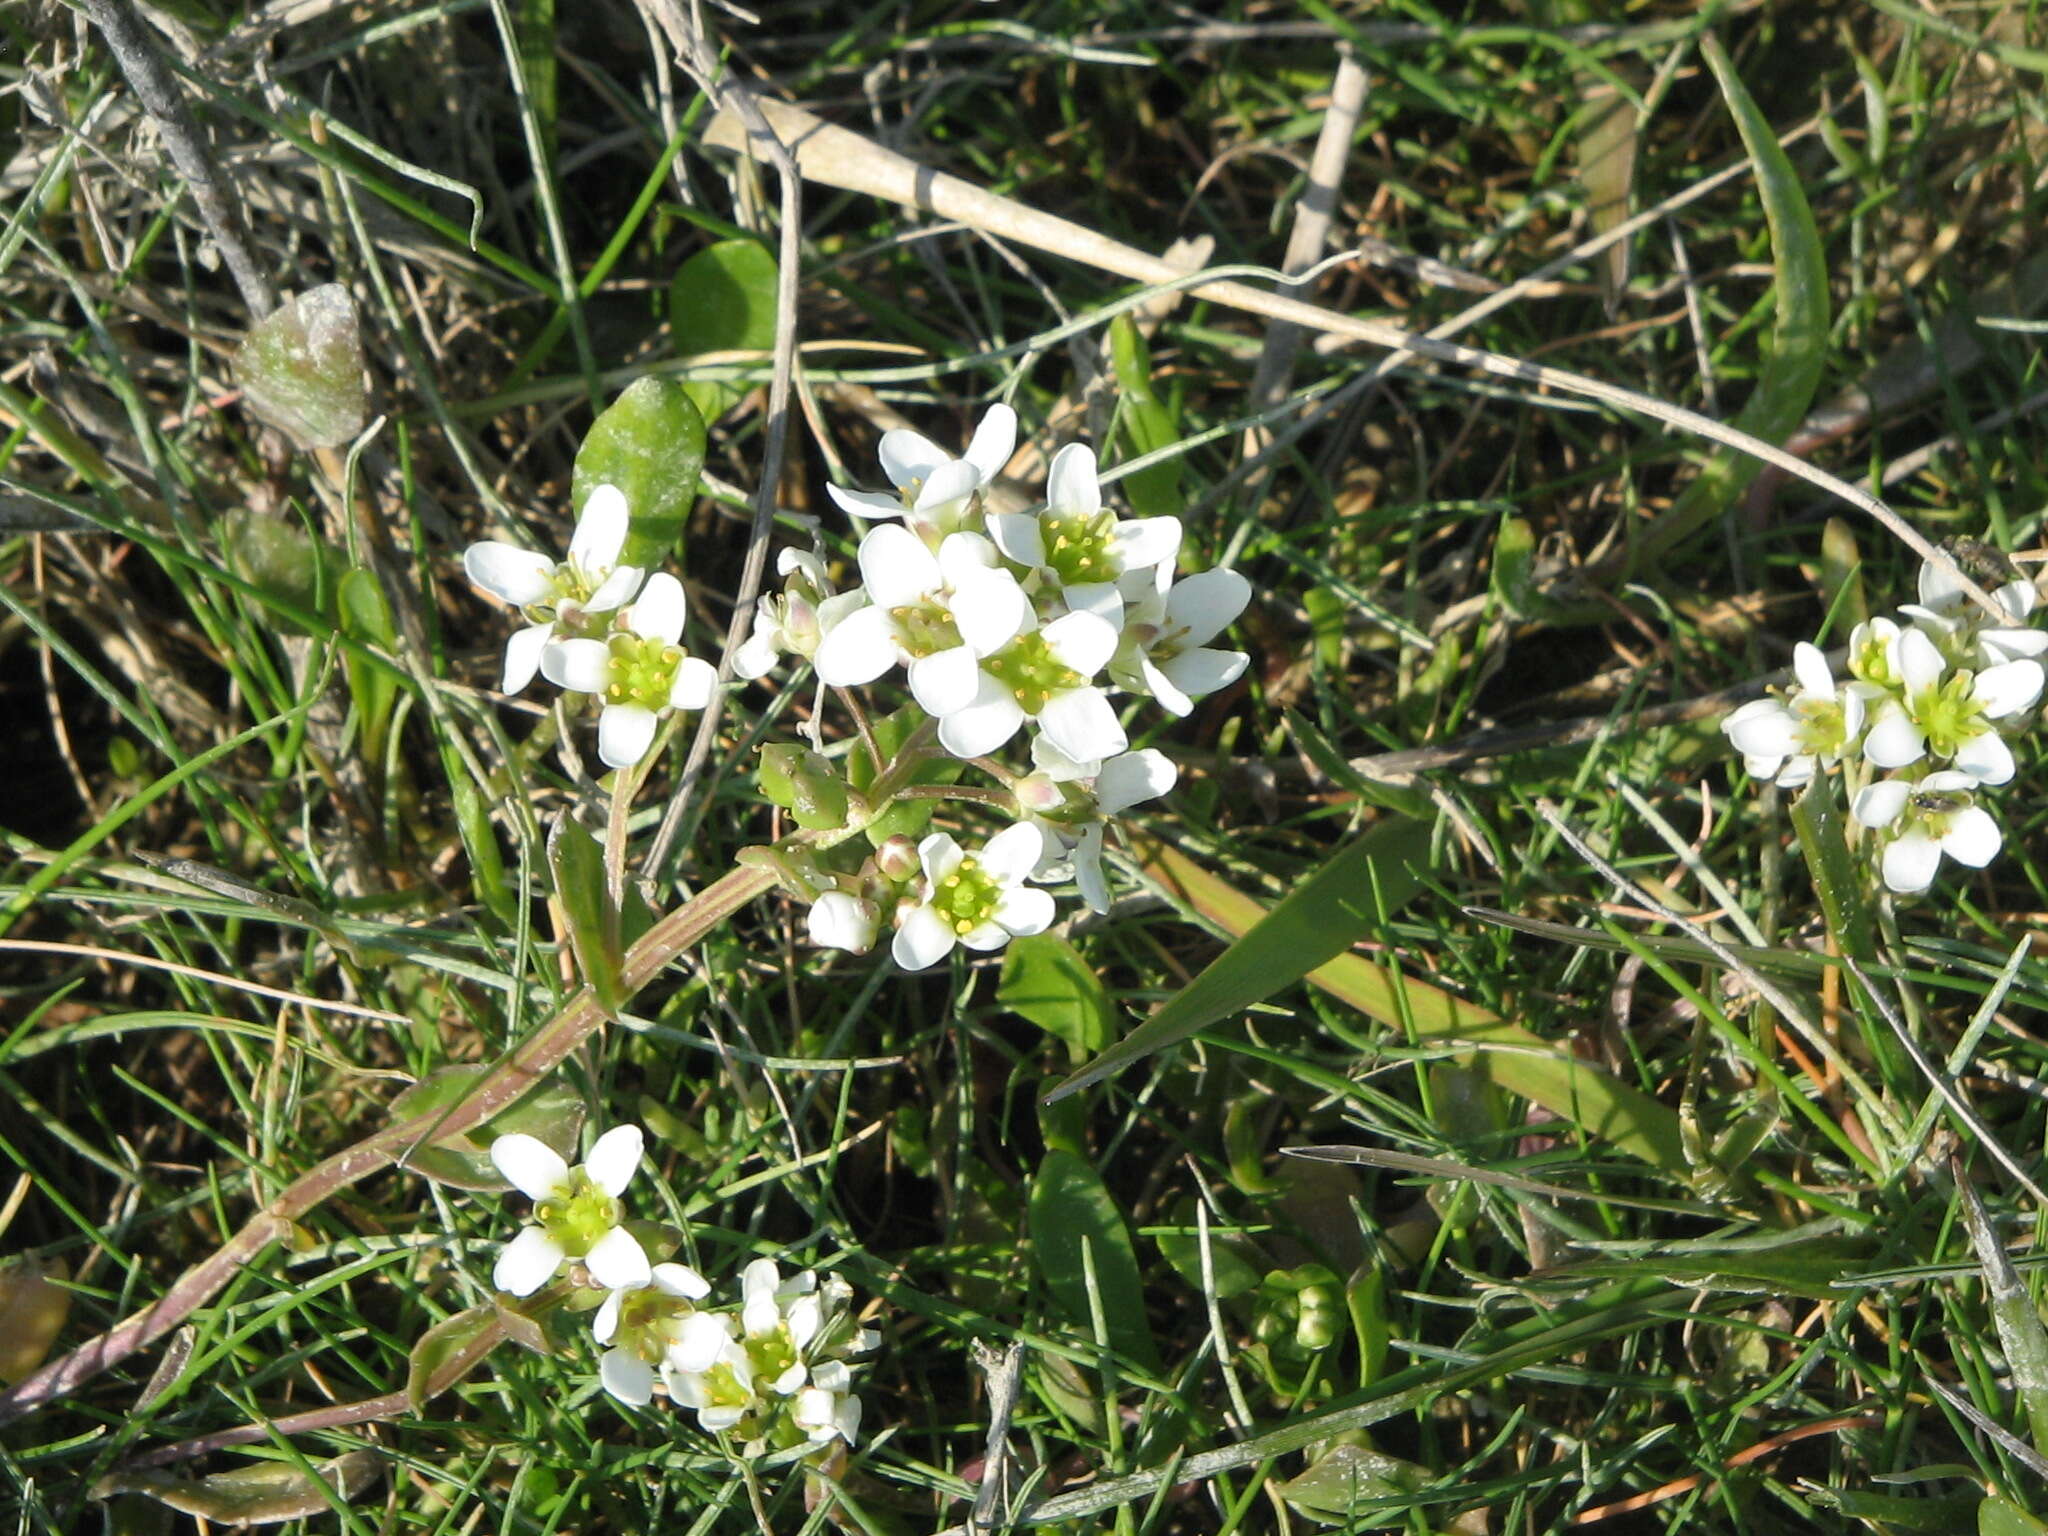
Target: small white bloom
[(1074, 846), (939, 614), (560, 599), (795, 621), (1164, 648), (577, 1214), (1788, 739), (1970, 636), (826, 1416), (707, 1370), (1936, 817), (642, 1323), (1073, 542), (640, 671), (1950, 715), (1047, 675), (936, 493), (979, 900), (841, 920)]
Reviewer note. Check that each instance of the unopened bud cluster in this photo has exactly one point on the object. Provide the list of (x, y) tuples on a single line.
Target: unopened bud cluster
[(1920, 726)]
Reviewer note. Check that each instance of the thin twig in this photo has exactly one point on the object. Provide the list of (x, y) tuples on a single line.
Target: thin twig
[(686, 36), (165, 102)]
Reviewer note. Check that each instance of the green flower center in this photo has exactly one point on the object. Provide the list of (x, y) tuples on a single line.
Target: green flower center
[(1077, 548), (643, 671), (771, 1354), (925, 628), (1871, 661), (1949, 714), (578, 1216), (1823, 726), (650, 1320), (967, 898), (722, 1386), (1029, 670), (571, 587)]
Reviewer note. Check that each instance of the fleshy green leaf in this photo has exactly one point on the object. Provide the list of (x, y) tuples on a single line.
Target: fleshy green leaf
[(1071, 1208), (263, 1494), (1233, 1262), (280, 560), (722, 300), (449, 1351), (1346, 1476), (1046, 981), (583, 893), (301, 368), (552, 1112), (650, 444), (366, 616), (1997, 1516)]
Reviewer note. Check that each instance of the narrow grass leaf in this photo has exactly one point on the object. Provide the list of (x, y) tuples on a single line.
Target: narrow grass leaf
[(2013, 1312), (1148, 424), (1072, 1210), (583, 892)]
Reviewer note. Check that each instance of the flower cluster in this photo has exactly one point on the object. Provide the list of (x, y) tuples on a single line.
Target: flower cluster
[(1003, 623), (1931, 698), (773, 1375), (598, 627)]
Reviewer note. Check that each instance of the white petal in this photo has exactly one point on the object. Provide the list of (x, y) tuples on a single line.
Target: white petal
[(1810, 666), (832, 1375), (1083, 641), (581, 666), (1056, 765), (1012, 853), (614, 1158), (1020, 536), (790, 559), (1200, 672), (859, 649), (758, 654), (1894, 741), (527, 1263), (2018, 598), (995, 439), (1088, 868), (659, 611), (2008, 688), (1207, 603), (1797, 772), (1100, 598), (1763, 728), (949, 483), (946, 681), (896, 568), (1026, 910), (519, 576), (847, 1417), (1916, 661), (696, 681), (615, 590), (990, 610), (789, 1381), (938, 856), (701, 1340), (1143, 542), (1133, 778), (626, 1376), (2013, 644), (1879, 804), (984, 725), (1082, 724), (624, 733), (1071, 485), (606, 1323), (965, 556), (1938, 585), (617, 1260), (865, 503), (713, 1420), (804, 1317), (841, 920), (922, 941), (1972, 838), (530, 1165), (1160, 686), (681, 1280), (1986, 758), (522, 656), (909, 456), (1910, 863), (984, 937), (601, 530)]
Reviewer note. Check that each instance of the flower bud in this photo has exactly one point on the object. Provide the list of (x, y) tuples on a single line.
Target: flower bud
[(841, 921), (896, 860)]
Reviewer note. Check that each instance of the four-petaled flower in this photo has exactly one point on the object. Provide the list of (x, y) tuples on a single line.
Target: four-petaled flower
[(565, 600), (639, 671), (1046, 674), (641, 1324), (1164, 633), (1074, 542), (1951, 717), (1786, 740), (935, 492), (1935, 817), (978, 900), (576, 1212)]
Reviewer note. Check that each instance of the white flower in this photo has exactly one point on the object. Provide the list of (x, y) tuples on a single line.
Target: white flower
[(938, 613), (1787, 739), (559, 598), (840, 920), (824, 1416), (1047, 675), (979, 900), (1940, 818), (1948, 612), (795, 621), (1073, 542), (1950, 717), (1164, 650), (577, 1214), (1074, 849), (936, 493), (640, 671), (779, 1319), (642, 1323), (707, 1369)]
